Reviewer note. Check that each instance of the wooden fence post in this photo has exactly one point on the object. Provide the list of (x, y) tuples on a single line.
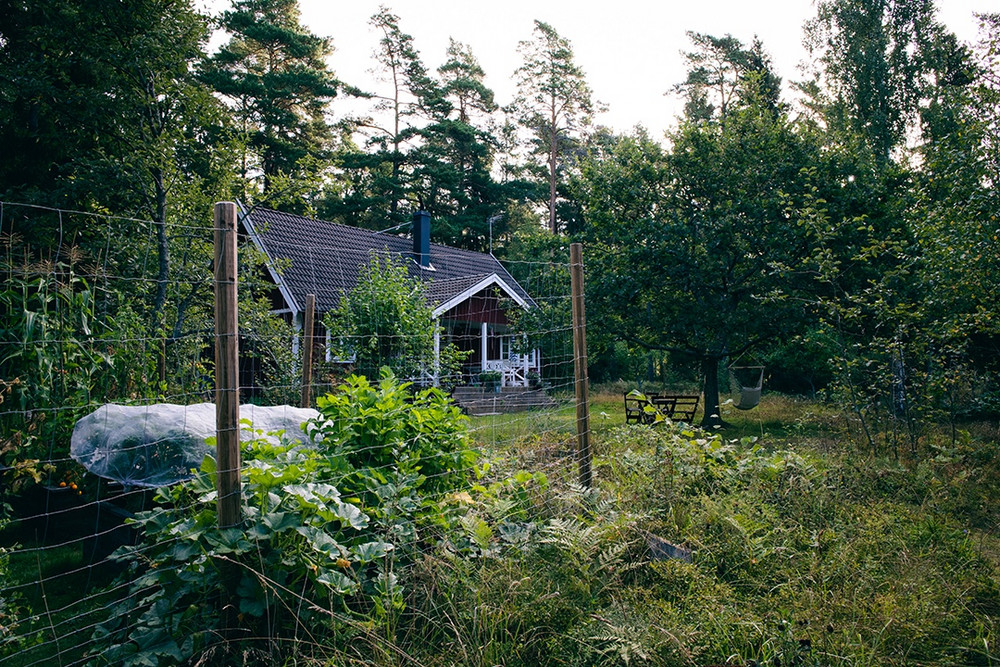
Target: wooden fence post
[(307, 351), (583, 454), (227, 390)]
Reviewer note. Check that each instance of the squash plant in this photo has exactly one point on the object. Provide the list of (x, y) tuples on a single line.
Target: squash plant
[(327, 528)]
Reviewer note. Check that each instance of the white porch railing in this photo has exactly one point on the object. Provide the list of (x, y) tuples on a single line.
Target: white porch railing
[(514, 369)]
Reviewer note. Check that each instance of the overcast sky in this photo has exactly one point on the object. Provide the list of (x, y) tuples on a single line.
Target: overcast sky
[(629, 49)]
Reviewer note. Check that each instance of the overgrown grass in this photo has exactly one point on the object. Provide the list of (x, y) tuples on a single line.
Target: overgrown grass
[(805, 550)]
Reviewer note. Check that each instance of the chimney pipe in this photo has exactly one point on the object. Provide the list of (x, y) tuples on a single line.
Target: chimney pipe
[(422, 238)]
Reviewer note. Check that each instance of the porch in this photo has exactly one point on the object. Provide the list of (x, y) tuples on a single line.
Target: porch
[(492, 351)]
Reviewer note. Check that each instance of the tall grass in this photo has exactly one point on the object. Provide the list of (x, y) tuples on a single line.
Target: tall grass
[(805, 551)]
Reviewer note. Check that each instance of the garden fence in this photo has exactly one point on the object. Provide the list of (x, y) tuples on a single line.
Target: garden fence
[(100, 309)]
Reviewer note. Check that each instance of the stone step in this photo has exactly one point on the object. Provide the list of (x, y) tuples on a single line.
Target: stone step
[(480, 401)]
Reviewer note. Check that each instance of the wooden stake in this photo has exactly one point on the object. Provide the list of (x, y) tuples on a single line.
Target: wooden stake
[(227, 391), (307, 351), (583, 454)]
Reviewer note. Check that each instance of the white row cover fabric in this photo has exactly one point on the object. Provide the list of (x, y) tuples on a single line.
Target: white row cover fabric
[(158, 445)]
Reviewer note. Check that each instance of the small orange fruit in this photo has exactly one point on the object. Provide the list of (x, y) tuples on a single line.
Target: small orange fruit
[(62, 485)]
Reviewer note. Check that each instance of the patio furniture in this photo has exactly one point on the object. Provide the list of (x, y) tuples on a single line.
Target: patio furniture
[(676, 407), (635, 409)]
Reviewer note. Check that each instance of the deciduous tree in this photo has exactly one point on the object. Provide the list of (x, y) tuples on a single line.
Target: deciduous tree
[(687, 249), (874, 55), (386, 321)]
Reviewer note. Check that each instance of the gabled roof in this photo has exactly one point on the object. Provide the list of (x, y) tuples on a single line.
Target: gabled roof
[(457, 290), (310, 256)]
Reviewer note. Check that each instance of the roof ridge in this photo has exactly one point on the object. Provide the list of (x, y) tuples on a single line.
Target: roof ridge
[(370, 232)]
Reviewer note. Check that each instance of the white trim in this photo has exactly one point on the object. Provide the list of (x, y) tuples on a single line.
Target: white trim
[(484, 350), (492, 279), (275, 276), (437, 354)]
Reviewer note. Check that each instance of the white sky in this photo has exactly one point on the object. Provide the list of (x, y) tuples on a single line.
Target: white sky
[(628, 49)]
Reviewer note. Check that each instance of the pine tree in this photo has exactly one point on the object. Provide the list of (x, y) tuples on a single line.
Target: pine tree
[(553, 102), (274, 75)]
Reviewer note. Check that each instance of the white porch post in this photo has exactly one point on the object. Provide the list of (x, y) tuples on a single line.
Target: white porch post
[(524, 357), (482, 344), (437, 355), (296, 339)]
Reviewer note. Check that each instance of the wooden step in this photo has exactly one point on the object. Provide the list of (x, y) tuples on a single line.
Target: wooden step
[(481, 401)]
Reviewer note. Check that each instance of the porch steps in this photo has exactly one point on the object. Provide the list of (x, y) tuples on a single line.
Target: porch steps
[(480, 401)]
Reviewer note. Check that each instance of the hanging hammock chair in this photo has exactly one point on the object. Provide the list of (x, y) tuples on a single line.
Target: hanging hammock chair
[(746, 383)]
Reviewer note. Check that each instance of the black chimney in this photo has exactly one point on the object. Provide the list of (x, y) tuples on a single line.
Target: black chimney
[(422, 238)]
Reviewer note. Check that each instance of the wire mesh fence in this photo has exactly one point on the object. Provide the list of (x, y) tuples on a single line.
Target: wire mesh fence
[(108, 357), (404, 531)]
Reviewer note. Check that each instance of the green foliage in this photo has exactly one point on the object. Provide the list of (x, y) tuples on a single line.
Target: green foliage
[(796, 559), (554, 103), (49, 320), (72, 338), (273, 73), (540, 561), (539, 261), (452, 167), (133, 134), (875, 56), (12, 608), (386, 321), (268, 340), (689, 248), (790, 542), (385, 434), (327, 531), (300, 551), (722, 72)]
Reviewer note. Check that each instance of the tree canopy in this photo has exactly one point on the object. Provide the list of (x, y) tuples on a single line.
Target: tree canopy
[(859, 214)]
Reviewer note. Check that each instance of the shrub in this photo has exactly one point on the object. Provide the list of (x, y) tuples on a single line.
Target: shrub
[(386, 321), (300, 552), (325, 533), (396, 454)]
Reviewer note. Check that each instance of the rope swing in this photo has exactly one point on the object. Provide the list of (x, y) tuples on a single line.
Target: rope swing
[(746, 383)]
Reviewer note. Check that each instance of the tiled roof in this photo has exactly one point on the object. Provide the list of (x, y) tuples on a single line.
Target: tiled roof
[(440, 291), (323, 258)]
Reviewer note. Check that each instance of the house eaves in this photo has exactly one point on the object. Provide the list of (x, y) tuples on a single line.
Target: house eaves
[(286, 293), (488, 281)]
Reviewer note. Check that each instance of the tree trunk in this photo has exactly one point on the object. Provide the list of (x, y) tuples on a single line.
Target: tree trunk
[(553, 138), (163, 274), (710, 370)]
